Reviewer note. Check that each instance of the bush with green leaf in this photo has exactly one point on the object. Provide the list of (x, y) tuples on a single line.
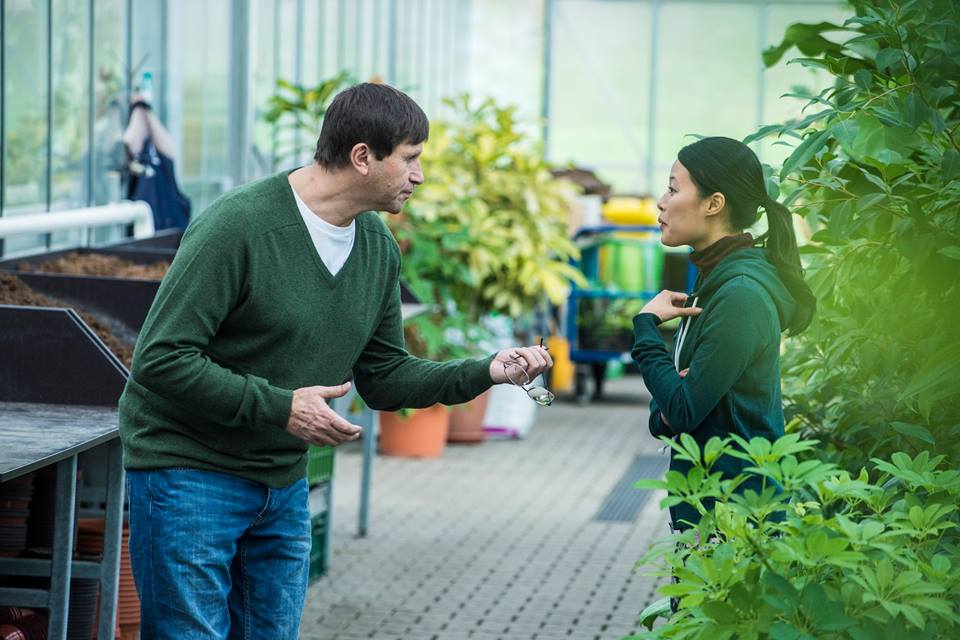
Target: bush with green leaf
[(296, 113), (834, 555), (875, 173), (488, 228)]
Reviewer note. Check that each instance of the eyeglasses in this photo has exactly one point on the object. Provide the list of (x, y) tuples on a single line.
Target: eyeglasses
[(517, 375)]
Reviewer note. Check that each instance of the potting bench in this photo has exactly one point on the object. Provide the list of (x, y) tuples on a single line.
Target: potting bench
[(59, 387), (34, 436)]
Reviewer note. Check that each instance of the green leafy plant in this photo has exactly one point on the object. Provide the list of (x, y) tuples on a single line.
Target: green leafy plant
[(834, 555), (487, 229), (296, 113), (874, 172)]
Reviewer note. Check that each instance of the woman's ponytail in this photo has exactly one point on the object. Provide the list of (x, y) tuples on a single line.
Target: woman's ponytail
[(781, 243)]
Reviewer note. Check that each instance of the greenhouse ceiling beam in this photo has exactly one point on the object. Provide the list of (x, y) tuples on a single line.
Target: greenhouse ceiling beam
[(547, 74), (238, 90), (651, 94)]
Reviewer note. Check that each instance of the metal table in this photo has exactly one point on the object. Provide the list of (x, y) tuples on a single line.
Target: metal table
[(33, 436)]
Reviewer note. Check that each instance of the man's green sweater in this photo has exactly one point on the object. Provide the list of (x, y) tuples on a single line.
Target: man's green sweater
[(249, 312)]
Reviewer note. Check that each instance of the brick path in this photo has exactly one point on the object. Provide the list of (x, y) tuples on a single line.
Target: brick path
[(497, 540)]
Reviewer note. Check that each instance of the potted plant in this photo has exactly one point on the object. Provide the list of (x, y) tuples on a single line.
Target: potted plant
[(296, 113), (438, 335), (486, 234)]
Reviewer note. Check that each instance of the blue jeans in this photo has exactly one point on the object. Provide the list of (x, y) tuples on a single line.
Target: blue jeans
[(218, 556)]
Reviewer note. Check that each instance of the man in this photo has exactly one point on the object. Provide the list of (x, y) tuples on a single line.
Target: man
[(281, 291)]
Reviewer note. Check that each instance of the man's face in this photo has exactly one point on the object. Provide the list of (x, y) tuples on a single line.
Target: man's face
[(396, 176)]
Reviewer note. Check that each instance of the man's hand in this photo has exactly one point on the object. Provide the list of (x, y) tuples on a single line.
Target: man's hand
[(313, 421), (668, 305), (534, 360)]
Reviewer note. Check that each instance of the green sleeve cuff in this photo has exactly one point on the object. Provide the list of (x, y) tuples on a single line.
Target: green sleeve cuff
[(480, 378), (278, 405), (645, 321)]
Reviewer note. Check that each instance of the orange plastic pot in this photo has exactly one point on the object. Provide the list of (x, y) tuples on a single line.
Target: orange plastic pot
[(421, 435), (466, 420)]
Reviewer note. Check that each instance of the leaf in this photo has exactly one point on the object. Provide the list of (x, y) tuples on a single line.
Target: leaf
[(916, 111), (886, 58), (868, 201), (845, 131), (913, 431), (942, 370), (721, 612), (762, 132), (950, 166), (784, 631), (804, 152), (863, 78), (880, 144), (657, 609), (805, 37), (952, 252)]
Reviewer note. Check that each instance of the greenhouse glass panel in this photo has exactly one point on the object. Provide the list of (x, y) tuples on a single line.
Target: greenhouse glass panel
[(71, 53), (600, 89), (109, 100), (70, 49), (203, 47), (25, 129), (516, 78), (26, 49), (707, 68), (262, 85), (311, 41)]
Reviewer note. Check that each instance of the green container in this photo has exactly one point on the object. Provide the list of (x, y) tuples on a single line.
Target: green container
[(632, 262), (318, 544), (319, 465)]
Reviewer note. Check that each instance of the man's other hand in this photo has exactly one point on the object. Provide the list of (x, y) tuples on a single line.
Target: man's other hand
[(534, 360), (313, 421)]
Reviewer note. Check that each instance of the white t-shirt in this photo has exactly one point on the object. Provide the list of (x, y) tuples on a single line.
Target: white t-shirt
[(333, 243)]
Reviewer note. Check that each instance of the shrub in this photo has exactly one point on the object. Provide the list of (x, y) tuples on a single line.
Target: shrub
[(875, 174), (835, 555)]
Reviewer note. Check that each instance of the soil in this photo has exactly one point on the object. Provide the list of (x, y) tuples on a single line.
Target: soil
[(13, 290), (94, 264)]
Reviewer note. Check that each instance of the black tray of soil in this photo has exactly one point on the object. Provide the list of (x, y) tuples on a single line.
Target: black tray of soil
[(117, 283)]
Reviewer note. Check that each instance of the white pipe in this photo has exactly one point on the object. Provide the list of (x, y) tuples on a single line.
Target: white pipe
[(138, 212)]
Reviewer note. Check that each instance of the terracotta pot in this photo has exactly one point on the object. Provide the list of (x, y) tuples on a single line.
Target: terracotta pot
[(90, 540), (466, 420), (422, 435)]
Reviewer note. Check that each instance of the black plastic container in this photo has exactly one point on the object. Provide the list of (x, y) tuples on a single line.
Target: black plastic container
[(167, 240), (52, 356), (126, 300)]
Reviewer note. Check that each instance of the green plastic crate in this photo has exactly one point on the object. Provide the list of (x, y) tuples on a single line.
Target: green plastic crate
[(318, 542), (319, 465), (631, 262)]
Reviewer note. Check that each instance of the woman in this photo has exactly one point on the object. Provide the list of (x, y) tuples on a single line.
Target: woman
[(723, 377)]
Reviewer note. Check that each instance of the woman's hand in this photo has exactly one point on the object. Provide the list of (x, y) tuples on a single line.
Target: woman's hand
[(668, 305)]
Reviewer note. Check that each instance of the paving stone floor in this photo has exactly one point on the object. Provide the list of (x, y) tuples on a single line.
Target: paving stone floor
[(497, 540)]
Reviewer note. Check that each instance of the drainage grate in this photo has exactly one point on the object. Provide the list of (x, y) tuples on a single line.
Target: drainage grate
[(624, 502)]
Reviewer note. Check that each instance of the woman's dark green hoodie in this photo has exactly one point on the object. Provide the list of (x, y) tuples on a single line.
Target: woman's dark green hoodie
[(733, 352)]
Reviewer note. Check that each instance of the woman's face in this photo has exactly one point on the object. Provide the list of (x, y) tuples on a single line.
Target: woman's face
[(683, 217)]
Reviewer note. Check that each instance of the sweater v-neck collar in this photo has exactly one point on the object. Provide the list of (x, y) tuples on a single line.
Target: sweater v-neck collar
[(290, 203)]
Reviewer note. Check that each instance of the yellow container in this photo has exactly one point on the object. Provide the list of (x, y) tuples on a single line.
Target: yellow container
[(631, 210), (561, 374)]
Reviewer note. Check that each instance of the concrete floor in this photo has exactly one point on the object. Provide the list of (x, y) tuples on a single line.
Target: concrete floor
[(497, 540)]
